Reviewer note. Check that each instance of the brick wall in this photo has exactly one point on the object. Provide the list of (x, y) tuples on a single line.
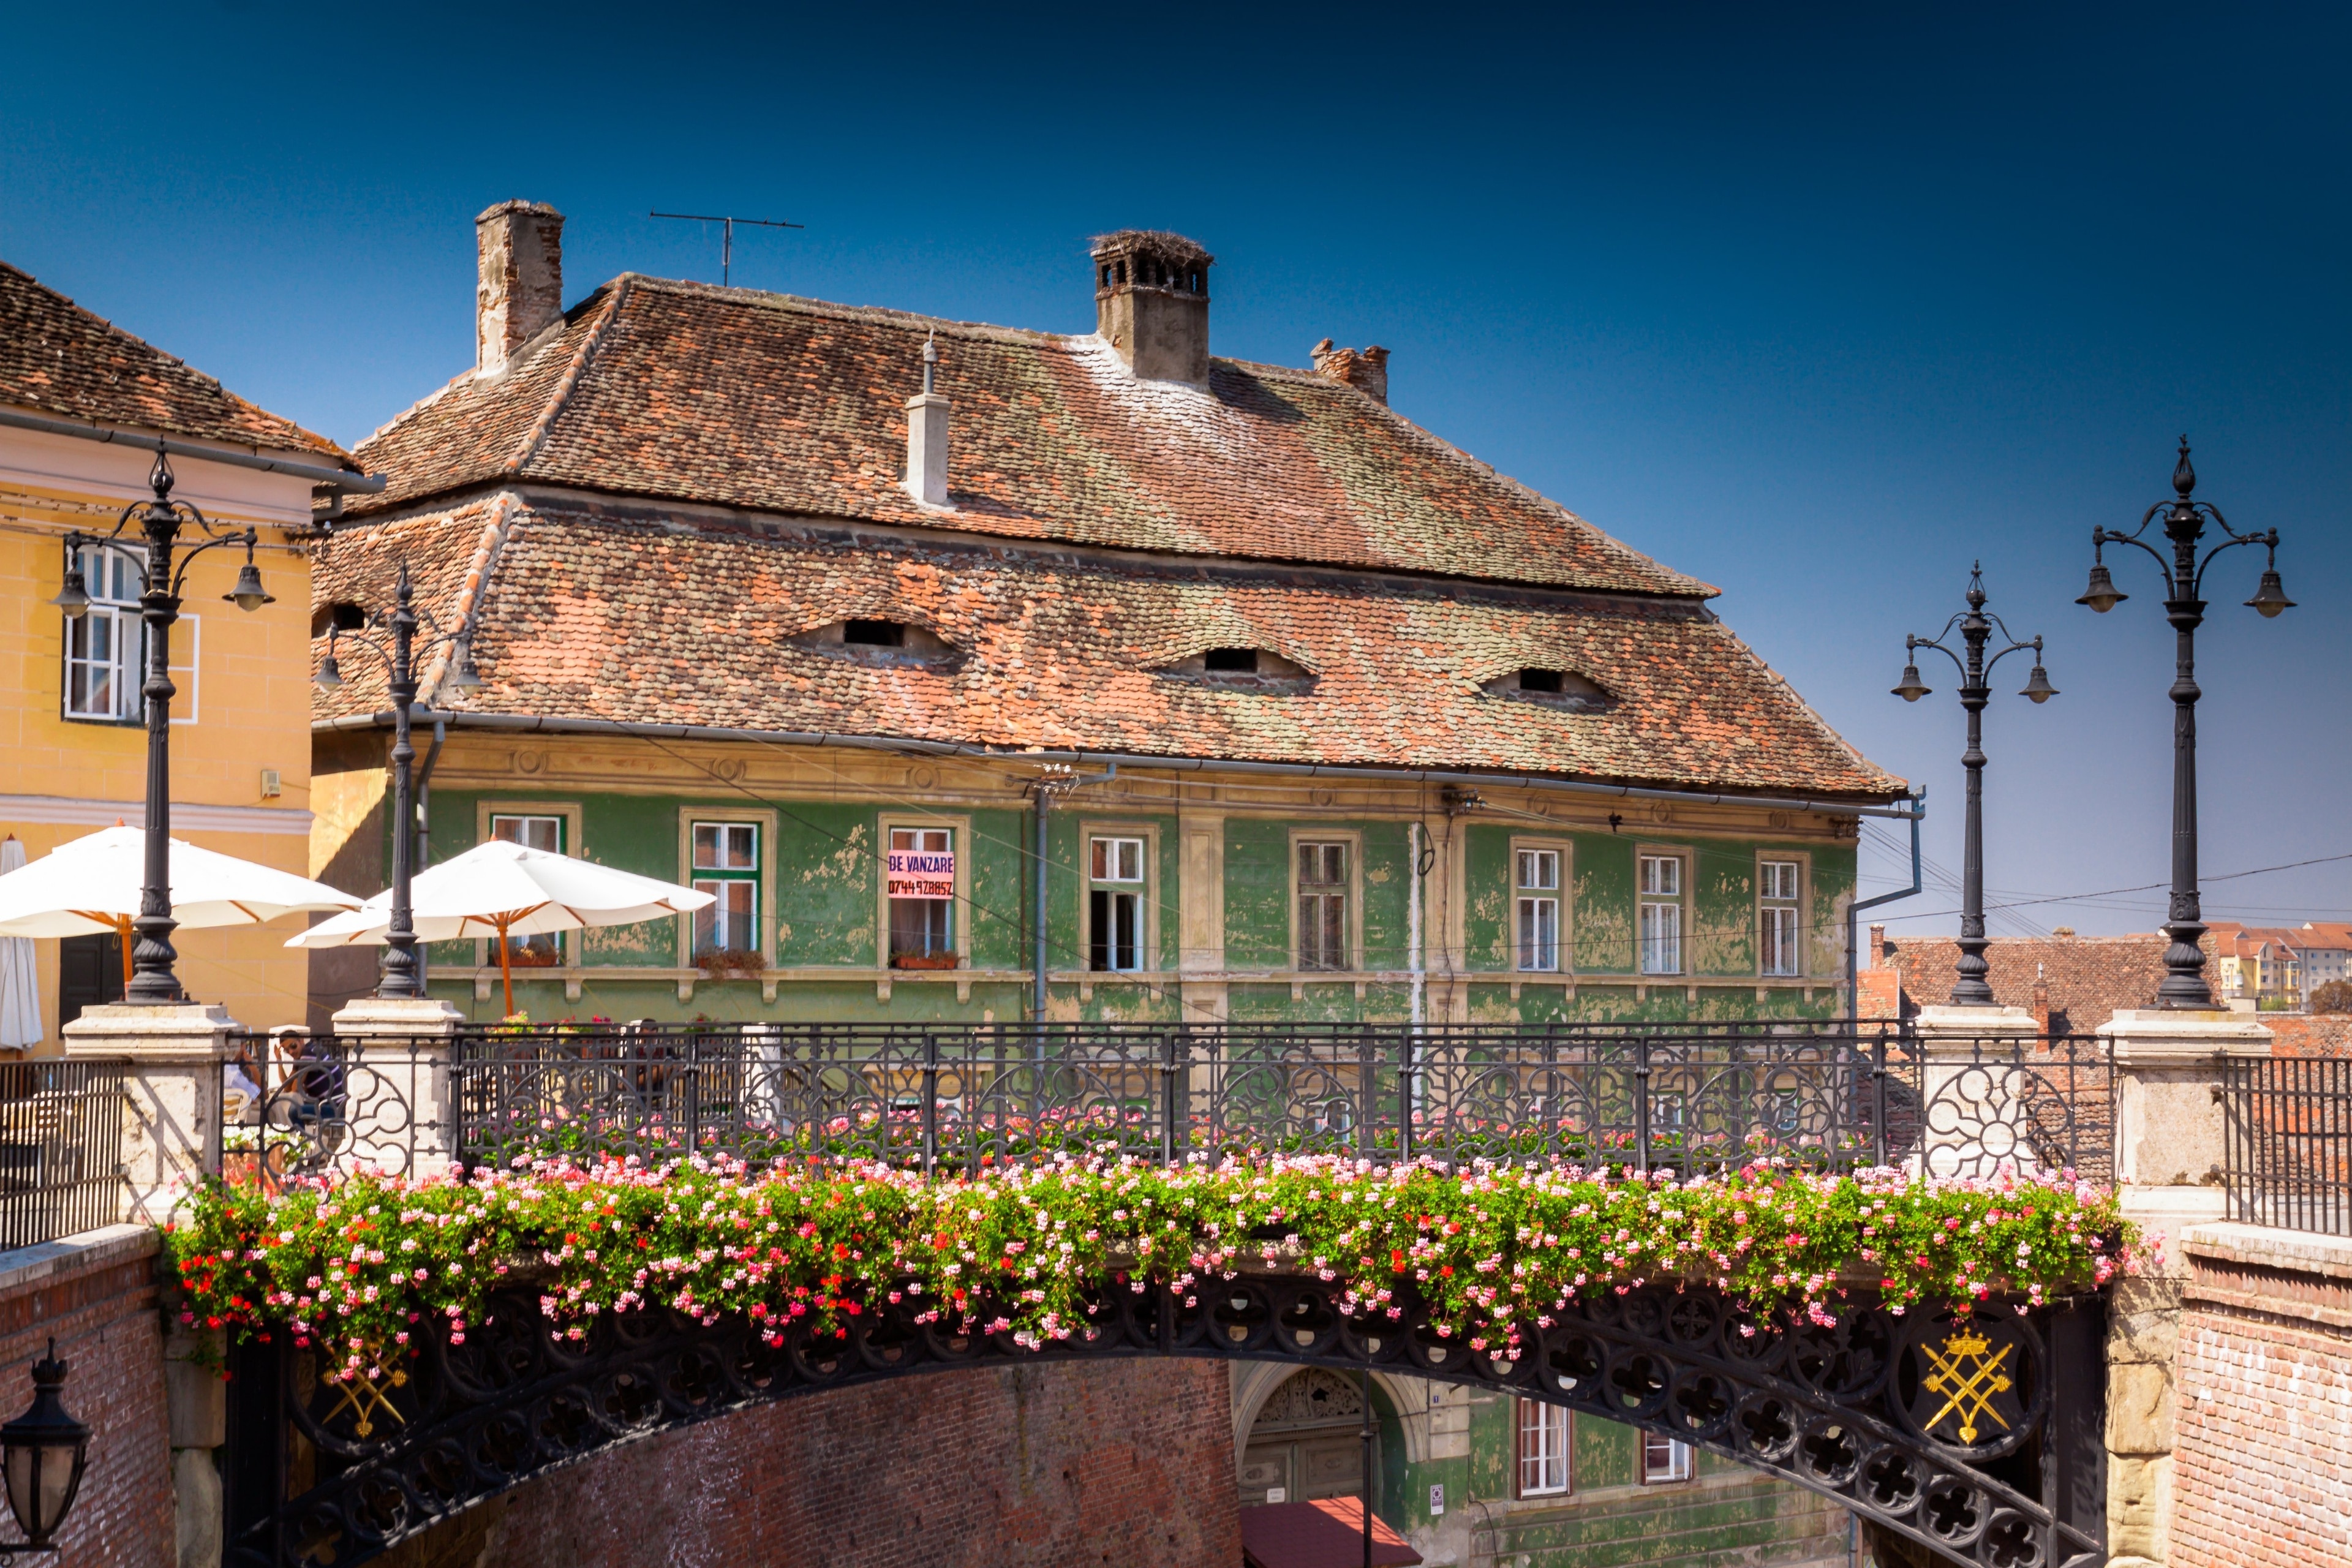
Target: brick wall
[(1127, 1463), (2262, 1411), (97, 1297)]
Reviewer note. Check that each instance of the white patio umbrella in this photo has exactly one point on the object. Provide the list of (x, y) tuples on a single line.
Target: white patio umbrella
[(20, 979), (501, 890), (88, 886)]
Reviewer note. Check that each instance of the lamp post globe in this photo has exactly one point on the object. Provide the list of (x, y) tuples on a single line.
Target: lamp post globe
[(2185, 519), (42, 1455), (1970, 988)]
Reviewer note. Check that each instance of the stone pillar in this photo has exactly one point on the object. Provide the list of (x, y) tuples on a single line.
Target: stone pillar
[(2169, 1147), (195, 1397), (170, 1135), (1976, 1079), (401, 1107)]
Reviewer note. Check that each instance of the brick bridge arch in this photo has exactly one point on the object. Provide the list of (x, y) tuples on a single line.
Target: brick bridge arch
[(1974, 1433)]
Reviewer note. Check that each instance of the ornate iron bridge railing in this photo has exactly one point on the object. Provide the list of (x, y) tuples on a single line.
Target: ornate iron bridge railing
[(1689, 1096), (2288, 1158), (1975, 1430), (60, 1148)]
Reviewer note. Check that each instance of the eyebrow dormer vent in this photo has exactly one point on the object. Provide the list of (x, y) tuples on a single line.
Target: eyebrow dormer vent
[(1242, 669), (888, 644), (1559, 688)]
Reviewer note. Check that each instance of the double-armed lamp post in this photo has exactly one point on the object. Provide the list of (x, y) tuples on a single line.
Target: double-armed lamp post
[(1971, 989), (160, 522), (2184, 578), (401, 976)]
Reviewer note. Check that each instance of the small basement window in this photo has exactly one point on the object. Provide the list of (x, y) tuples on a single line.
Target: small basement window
[(1552, 688)]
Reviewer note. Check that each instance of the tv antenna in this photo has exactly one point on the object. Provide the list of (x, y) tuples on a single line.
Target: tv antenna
[(727, 234)]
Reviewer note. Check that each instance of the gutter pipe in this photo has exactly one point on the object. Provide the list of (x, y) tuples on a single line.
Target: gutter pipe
[(533, 723), (344, 481), (1917, 815)]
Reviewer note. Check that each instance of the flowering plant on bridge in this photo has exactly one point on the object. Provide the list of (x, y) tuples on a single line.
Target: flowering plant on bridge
[(363, 1266)]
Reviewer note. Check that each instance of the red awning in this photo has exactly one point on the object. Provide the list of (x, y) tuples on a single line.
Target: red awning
[(1326, 1533)]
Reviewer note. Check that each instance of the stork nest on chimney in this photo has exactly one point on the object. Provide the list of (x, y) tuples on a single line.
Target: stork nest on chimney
[(1170, 250)]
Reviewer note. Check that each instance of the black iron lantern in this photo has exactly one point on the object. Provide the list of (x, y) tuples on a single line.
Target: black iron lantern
[(2102, 595), (1911, 688), (248, 594), (42, 1453)]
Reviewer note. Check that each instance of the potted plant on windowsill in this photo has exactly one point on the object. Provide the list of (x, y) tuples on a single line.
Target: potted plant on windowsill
[(720, 963), (522, 956), (923, 960)]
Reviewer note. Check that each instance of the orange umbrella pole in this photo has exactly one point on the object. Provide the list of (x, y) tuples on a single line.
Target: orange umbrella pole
[(506, 967), (122, 939)]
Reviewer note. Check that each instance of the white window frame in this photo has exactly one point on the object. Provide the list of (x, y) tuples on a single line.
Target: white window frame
[(713, 880), (121, 616), (1109, 881), (1549, 1471), (1677, 1466), (1780, 909), (1541, 901), (1672, 906), (960, 841), (188, 679)]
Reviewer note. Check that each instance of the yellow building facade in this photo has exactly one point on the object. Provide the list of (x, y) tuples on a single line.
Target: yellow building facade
[(73, 741)]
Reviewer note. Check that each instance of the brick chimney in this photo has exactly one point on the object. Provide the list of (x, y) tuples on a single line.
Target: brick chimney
[(519, 287), (1151, 303), (1366, 370)]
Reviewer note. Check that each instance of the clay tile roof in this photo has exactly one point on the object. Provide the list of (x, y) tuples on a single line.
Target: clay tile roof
[(600, 613), (57, 358), (684, 392), (2086, 979)]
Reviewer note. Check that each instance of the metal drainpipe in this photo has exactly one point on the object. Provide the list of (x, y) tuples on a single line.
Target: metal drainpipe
[(1918, 813)]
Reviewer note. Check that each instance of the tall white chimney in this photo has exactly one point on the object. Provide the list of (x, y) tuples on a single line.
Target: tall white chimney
[(519, 288), (927, 436)]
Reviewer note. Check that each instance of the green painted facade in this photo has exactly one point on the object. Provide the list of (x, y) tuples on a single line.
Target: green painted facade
[(1426, 896)]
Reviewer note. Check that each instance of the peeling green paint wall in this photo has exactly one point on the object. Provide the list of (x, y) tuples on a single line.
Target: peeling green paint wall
[(823, 905)]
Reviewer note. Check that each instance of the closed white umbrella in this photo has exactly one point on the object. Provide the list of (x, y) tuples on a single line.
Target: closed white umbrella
[(502, 889), (91, 885), (20, 977)]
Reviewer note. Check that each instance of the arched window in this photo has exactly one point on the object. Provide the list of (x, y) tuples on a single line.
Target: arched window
[(103, 646)]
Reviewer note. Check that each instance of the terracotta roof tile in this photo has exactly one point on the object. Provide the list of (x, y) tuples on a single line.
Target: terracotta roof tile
[(686, 392), (589, 614), (2086, 979), (58, 358)]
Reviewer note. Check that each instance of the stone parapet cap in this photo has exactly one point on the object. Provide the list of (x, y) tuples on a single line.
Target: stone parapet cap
[(2266, 1247), (31, 1265), (397, 1017), (1955, 1032), (2149, 1036), (176, 1032)]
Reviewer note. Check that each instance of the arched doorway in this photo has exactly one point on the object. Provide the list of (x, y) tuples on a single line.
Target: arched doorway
[(1307, 1441)]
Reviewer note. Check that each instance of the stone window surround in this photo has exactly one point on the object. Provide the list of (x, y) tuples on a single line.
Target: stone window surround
[(1353, 838), (1089, 830), (1565, 933), (960, 841), (764, 820)]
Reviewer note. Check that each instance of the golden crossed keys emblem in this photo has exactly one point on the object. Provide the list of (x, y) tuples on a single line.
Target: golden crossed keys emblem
[(1968, 1393), (364, 1397)]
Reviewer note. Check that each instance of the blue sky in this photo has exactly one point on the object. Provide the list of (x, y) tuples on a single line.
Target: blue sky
[(1821, 304)]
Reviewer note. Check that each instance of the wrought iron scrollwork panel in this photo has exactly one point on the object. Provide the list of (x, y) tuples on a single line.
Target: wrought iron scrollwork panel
[(1939, 1424)]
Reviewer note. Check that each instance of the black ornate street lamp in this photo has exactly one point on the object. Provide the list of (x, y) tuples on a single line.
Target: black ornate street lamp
[(2184, 577), (160, 522), (1971, 989), (400, 977), (42, 1455)]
